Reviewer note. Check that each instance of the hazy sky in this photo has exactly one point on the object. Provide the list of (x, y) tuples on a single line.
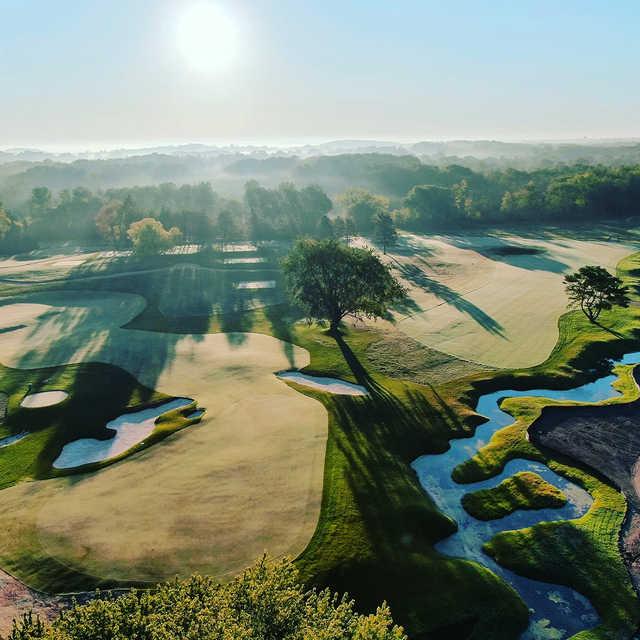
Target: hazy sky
[(77, 73)]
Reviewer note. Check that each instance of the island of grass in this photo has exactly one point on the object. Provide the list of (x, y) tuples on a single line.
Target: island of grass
[(524, 490)]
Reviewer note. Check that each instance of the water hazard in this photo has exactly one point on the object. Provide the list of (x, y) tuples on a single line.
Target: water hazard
[(556, 610)]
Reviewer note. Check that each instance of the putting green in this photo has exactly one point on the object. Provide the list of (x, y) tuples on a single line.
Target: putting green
[(492, 299), (210, 498)]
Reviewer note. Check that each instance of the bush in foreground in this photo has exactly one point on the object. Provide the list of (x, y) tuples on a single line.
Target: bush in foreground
[(266, 602)]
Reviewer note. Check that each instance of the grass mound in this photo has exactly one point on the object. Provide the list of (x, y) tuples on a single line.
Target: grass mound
[(524, 490)]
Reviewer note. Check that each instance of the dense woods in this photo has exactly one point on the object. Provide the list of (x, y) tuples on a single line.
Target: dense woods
[(416, 196)]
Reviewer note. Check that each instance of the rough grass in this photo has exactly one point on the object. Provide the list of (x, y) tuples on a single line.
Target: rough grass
[(524, 490)]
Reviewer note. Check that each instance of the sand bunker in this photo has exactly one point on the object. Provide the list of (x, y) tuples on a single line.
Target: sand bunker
[(130, 428), (43, 399), (243, 260), (330, 385), (257, 284), (233, 247)]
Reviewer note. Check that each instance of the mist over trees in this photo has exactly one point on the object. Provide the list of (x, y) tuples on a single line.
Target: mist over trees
[(416, 196)]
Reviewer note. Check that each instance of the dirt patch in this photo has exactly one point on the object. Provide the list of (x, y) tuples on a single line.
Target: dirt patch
[(16, 599)]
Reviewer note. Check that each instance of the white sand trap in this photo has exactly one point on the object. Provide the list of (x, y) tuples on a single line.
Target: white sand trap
[(43, 399), (233, 247), (243, 260), (257, 284), (330, 385), (5, 442), (130, 428)]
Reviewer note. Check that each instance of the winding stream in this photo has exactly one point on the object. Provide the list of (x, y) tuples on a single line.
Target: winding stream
[(556, 611)]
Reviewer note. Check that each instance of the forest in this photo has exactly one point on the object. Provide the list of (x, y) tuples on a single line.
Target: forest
[(415, 195)]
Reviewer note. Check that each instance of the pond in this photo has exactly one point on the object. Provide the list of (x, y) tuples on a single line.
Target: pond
[(557, 611)]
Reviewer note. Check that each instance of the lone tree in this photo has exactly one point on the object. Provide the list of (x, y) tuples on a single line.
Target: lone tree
[(594, 289), (149, 237), (386, 233), (330, 281)]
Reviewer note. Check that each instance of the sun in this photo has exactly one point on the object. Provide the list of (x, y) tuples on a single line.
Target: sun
[(208, 37)]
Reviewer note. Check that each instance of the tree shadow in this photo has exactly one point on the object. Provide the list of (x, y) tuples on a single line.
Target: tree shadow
[(417, 277), (523, 256), (613, 332)]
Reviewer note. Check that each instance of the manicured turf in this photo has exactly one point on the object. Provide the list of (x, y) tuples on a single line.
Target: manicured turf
[(471, 299), (259, 450), (524, 490)]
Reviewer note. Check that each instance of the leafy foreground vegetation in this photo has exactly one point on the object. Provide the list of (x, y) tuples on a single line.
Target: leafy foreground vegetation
[(583, 553), (266, 602), (524, 490)]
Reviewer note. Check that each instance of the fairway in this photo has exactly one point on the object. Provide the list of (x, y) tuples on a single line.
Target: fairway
[(492, 299), (210, 498)]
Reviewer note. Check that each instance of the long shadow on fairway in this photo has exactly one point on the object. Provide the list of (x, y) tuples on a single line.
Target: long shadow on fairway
[(416, 276), (524, 256), (377, 521)]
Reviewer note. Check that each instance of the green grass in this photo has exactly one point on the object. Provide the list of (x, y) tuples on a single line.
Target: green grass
[(377, 527), (583, 554), (524, 490)]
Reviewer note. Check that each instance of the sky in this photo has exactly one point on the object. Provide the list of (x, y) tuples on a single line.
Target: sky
[(77, 74)]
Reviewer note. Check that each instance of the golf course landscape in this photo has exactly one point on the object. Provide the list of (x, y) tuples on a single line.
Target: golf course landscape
[(364, 468)]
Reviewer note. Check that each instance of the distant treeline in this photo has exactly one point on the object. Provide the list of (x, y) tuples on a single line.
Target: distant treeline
[(417, 196)]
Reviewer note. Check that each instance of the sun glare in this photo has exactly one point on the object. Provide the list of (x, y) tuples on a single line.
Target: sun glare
[(208, 37)]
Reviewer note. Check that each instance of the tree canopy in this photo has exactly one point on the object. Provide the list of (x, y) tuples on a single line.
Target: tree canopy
[(362, 207), (266, 602), (593, 289), (331, 281), (385, 230), (149, 237)]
